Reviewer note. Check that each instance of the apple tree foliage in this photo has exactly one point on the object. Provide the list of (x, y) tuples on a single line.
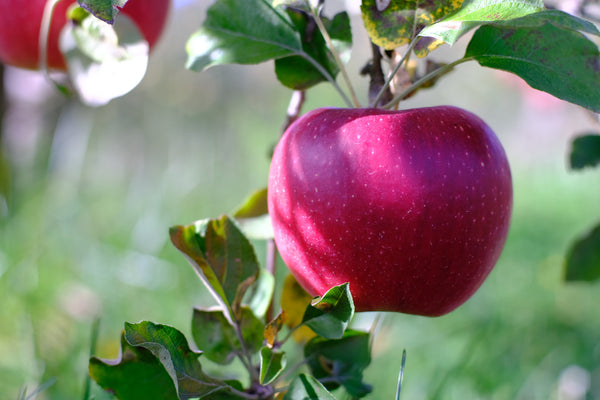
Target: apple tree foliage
[(551, 50)]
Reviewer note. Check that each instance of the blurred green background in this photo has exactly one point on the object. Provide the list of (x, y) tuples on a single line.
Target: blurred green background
[(89, 195)]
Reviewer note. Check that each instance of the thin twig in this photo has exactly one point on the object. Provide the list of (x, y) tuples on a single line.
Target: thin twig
[(336, 56), (378, 87), (394, 72), (433, 74)]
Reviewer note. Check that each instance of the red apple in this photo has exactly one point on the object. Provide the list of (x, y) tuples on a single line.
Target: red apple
[(20, 23), (412, 207)]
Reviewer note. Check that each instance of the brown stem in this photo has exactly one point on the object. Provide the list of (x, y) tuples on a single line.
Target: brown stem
[(294, 109), (377, 79)]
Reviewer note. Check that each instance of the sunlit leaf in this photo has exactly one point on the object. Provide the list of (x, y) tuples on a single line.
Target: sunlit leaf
[(585, 151), (341, 361), (478, 12), (231, 35), (583, 258), (329, 316), (222, 257), (557, 60), (217, 338), (402, 20), (272, 363), (306, 387)]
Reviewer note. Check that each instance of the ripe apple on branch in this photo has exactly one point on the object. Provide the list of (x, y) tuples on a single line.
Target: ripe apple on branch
[(410, 207)]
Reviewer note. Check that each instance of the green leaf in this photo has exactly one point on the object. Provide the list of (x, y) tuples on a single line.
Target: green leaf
[(550, 58), (217, 338), (272, 363), (297, 72), (254, 205), (583, 258), (242, 32), (135, 364), (402, 20), (106, 10), (341, 361), (170, 347), (478, 12), (330, 315), (253, 216), (222, 257), (585, 151), (305, 387)]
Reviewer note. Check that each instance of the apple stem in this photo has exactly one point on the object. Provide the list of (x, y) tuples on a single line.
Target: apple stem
[(336, 56), (294, 108), (433, 74), (394, 72)]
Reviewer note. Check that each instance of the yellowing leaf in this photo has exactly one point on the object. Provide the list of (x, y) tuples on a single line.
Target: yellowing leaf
[(402, 20), (294, 301)]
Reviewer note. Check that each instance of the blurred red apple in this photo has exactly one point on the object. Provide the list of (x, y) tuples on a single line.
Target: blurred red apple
[(20, 23), (412, 207)]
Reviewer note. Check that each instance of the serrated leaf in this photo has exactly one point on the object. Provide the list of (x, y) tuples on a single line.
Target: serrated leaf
[(306, 387), (106, 10), (218, 340), (272, 363), (585, 151), (170, 347), (222, 257), (329, 316), (550, 58), (402, 20), (135, 364), (297, 72), (478, 12), (104, 61), (341, 361), (583, 258), (231, 34)]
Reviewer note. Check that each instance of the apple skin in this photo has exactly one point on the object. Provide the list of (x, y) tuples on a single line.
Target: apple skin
[(20, 23), (412, 208)]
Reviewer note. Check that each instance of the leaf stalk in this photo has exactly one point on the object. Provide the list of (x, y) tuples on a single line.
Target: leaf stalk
[(336, 56), (433, 74)]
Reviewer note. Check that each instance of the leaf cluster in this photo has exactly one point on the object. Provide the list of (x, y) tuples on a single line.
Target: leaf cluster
[(157, 361)]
